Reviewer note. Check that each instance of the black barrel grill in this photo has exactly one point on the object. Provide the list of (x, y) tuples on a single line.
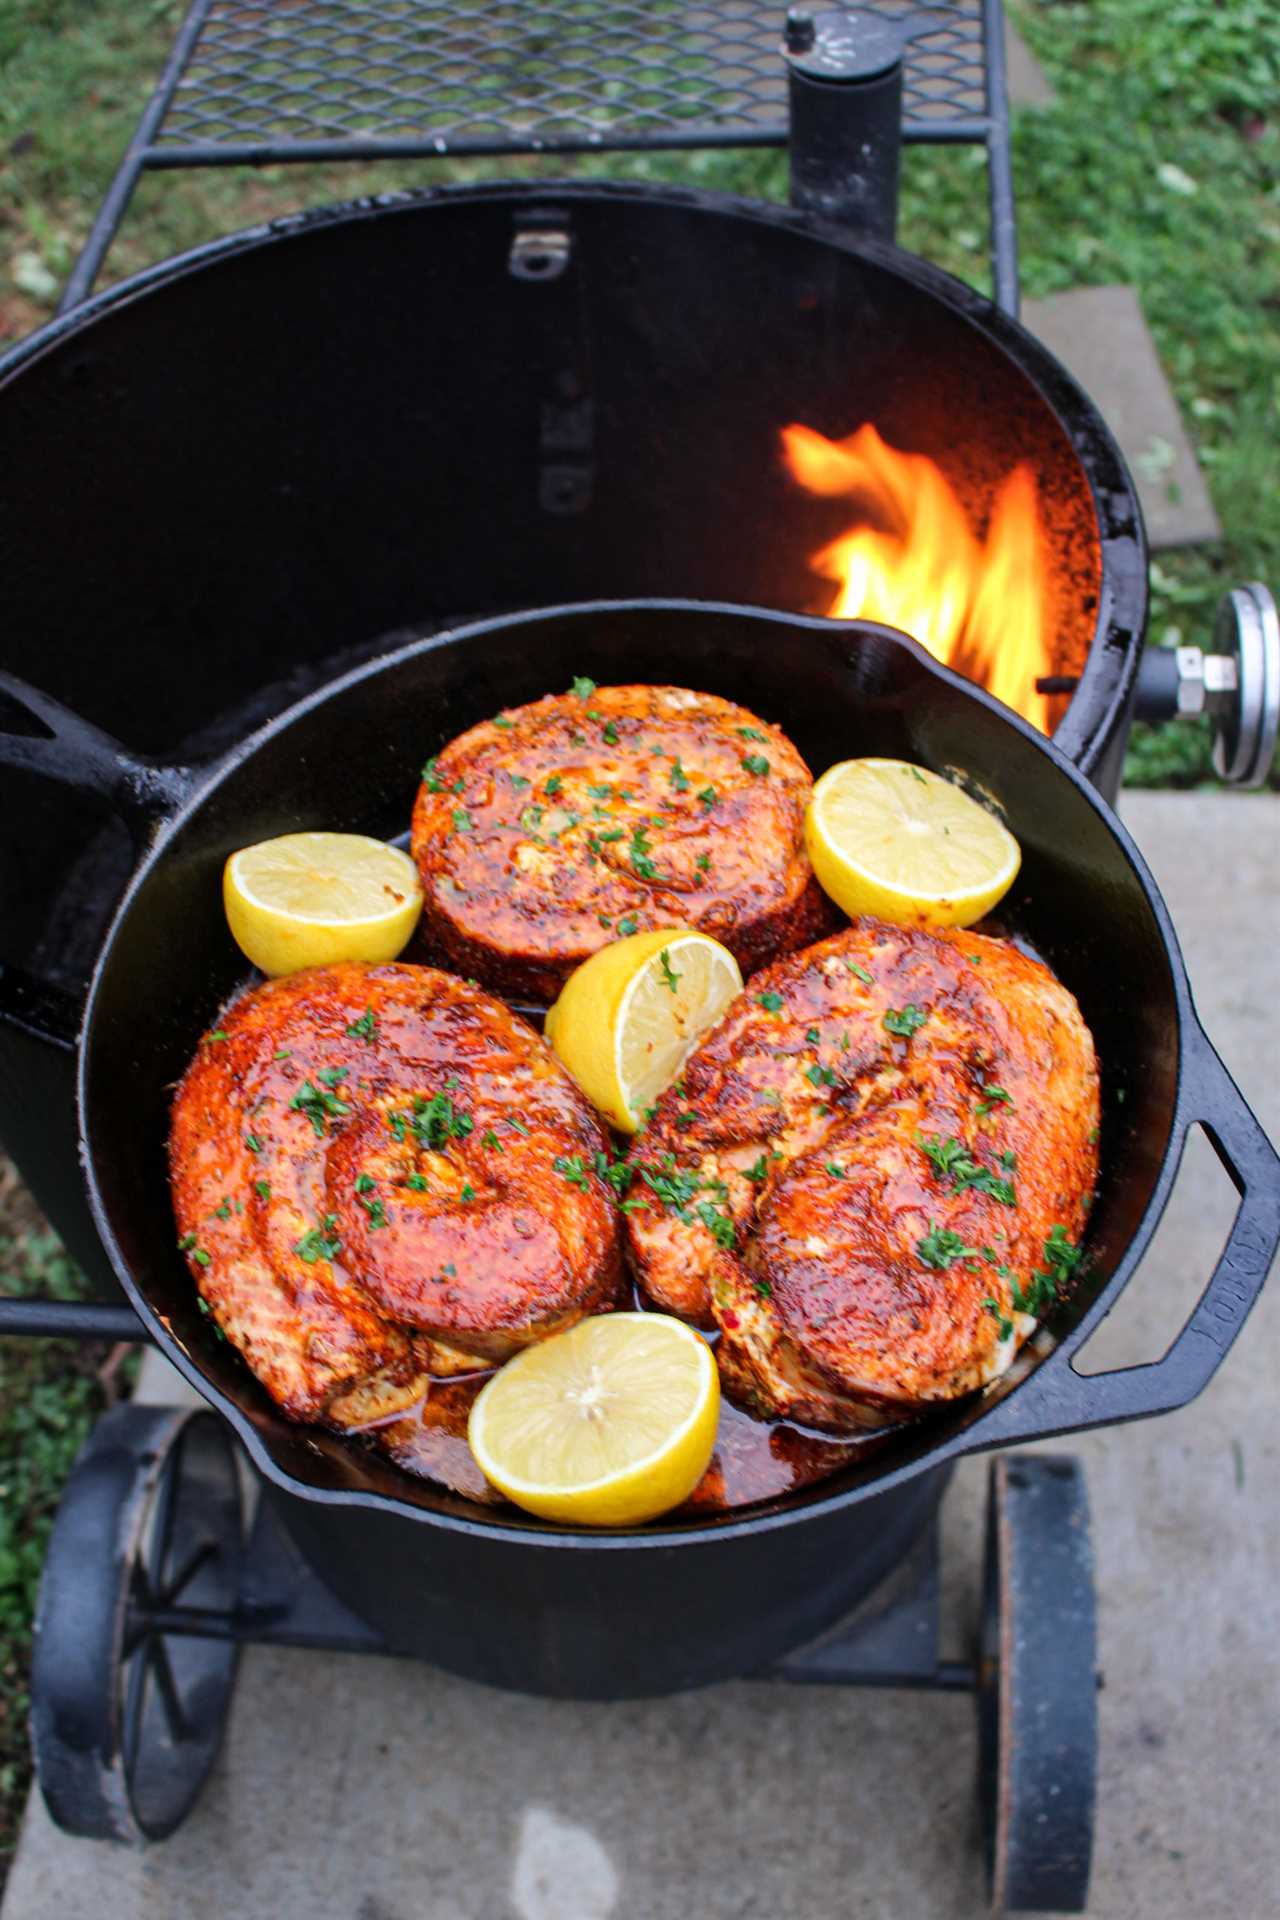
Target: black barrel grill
[(540, 394)]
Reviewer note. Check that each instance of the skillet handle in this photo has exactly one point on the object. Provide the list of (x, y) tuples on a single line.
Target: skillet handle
[(59, 744), (1057, 1399)]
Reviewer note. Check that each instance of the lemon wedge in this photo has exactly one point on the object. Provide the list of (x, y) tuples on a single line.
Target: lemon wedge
[(310, 899), (628, 1018), (606, 1425), (899, 842)]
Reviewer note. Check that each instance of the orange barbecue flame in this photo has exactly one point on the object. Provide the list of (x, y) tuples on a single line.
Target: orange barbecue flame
[(978, 603)]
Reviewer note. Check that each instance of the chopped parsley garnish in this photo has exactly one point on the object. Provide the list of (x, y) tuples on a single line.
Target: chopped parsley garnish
[(819, 1076), (518, 1126), (674, 1189), (490, 1139), (582, 688), (219, 1033), (434, 783), (1061, 1262), (186, 1243), (200, 1257), (993, 1097), (518, 781), (377, 1213), (670, 977), (553, 785), (764, 1289), (628, 924), (610, 734), (283, 1053), (702, 862), (813, 1036), (613, 833), (904, 1021), (331, 1076), (917, 775), (467, 1194), (317, 1103), (952, 1162), (942, 1248), (322, 1243), (755, 763), (1004, 1326), (600, 793), (707, 796), (365, 1183), (861, 972), (836, 1172), (751, 733), (642, 864), (573, 1169), (718, 1224), (531, 819), (461, 820), (418, 1181), (1008, 1160), (263, 1189), (366, 1027), (604, 920), (771, 1002), (678, 778), (616, 1173), (760, 1171), (434, 1122), (501, 720), (223, 1212), (254, 1145)]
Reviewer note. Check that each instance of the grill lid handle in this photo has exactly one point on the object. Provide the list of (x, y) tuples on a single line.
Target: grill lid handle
[(1058, 1399)]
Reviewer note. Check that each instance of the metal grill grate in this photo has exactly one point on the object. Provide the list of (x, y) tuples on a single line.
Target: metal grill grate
[(301, 80), (511, 75)]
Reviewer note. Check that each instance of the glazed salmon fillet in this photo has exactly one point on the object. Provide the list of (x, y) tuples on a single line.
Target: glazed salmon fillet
[(873, 1174), (381, 1174), (546, 832)]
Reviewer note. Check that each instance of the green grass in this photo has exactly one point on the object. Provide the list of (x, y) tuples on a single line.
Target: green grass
[(51, 1391), (1158, 166)]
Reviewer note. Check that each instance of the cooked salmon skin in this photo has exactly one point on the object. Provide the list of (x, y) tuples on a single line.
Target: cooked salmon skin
[(873, 1174), (554, 828), (381, 1174)]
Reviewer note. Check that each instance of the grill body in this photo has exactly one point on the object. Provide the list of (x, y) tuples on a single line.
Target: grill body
[(247, 470)]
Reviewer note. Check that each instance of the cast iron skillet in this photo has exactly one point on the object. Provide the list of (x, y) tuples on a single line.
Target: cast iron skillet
[(348, 756)]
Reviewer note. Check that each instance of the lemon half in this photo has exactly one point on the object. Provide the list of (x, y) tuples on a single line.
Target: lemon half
[(606, 1425), (628, 1018), (310, 899), (894, 840)]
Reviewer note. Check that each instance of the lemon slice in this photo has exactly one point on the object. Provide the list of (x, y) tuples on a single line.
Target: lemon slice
[(603, 1426), (896, 841), (309, 899), (628, 1018)]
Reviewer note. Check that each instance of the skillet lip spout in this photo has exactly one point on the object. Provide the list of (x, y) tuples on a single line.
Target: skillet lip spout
[(988, 1428)]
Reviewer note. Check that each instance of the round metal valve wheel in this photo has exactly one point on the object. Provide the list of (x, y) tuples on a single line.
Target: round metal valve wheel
[(1037, 1687), (126, 1714)]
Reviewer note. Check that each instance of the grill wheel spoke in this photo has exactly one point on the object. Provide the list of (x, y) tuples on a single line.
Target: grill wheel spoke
[(126, 1717)]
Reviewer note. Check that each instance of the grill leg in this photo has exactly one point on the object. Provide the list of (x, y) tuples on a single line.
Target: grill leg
[(1037, 1687)]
